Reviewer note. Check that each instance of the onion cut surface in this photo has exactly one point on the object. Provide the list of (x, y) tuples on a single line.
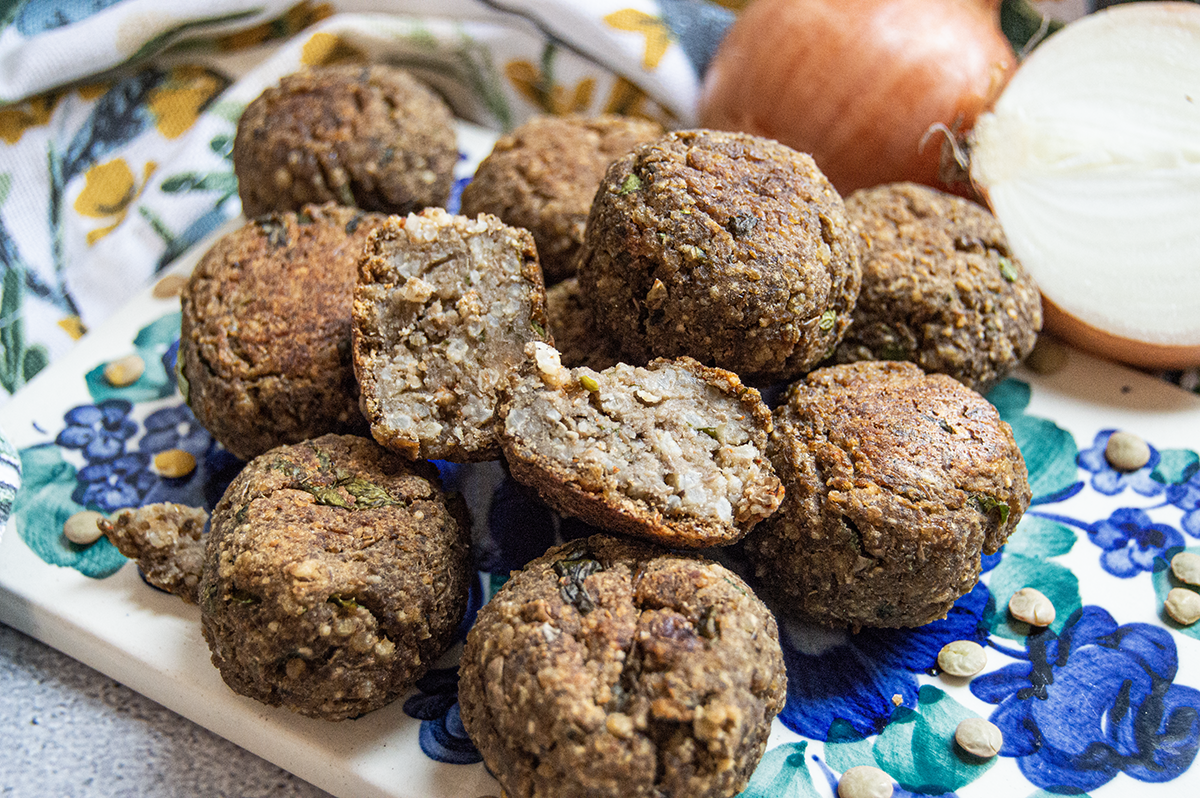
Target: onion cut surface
[(1090, 159)]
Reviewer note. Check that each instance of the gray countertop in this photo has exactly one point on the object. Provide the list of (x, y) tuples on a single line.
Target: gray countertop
[(67, 730)]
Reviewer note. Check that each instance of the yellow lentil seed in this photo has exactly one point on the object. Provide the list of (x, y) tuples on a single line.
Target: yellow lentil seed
[(865, 781), (1031, 606), (962, 658), (173, 463), (83, 528), (1186, 567), (1126, 451), (1183, 605), (979, 737), (124, 371), (169, 286)]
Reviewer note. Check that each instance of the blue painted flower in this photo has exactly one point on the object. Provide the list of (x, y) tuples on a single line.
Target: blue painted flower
[(1186, 496), (174, 428), (99, 431), (442, 736), (111, 485), (1132, 541), (1108, 480), (836, 675), (1094, 702)]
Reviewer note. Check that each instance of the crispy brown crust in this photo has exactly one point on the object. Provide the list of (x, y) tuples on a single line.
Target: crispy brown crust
[(940, 287), (614, 668), (574, 331), (369, 136), (335, 573), (597, 492), (166, 540), (896, 482), (543, 175), (264, 347), (725, 247), (442, 311)]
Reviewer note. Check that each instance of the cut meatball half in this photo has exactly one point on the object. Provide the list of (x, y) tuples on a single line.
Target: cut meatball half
[(673, 452), (442, 311)]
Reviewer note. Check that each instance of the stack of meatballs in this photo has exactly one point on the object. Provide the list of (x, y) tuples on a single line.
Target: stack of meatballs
[(604, 317)]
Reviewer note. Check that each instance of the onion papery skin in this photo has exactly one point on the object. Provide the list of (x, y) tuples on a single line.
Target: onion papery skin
[(858, 84), (1090, 160)]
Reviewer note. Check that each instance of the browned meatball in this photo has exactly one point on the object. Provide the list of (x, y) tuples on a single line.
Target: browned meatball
[(264, 349), (372, 137), (442, 311), (574, 332), (334, 575), (731, 249), (896, 482), (543, 175), (674, 452), (613, 668), (939, 288)]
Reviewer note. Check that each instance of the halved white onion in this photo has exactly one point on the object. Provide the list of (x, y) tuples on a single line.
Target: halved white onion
[(1090, 159)]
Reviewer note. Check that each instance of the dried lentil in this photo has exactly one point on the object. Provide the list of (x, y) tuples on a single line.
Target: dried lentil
[(82, 528), (1186, 567), (173, 463), (962, 658), (169, 286), (1032, 607), (979, 737), (124, 371), (1183, 605), (1126, 451), (865, 781)]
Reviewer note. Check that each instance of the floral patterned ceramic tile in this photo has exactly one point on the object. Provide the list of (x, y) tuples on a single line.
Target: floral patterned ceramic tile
[(1105, 701)]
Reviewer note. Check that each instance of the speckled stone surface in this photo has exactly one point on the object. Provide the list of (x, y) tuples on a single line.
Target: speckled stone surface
[(67, 730)]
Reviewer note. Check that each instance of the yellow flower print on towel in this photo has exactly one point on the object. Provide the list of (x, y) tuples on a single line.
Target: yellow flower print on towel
[(17, 118), (183, 95), (108, 191), (658, 35), (541, 90)]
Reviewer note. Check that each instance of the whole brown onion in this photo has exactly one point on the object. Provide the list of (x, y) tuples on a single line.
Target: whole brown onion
[(859, 83)]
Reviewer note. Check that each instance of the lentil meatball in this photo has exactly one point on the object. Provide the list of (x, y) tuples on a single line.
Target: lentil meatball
[(729, 248), (939, 287), (575, 336), (543, 175), (264, 345), (609, 667), (369, 136), (442, 311), (896, 482), (673, 452), (334, 575)]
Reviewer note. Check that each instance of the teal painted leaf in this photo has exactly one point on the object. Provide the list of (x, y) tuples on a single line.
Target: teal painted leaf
[(1164, 580), (1040, 538), (151, 343), (1175, 466), (1049, 450), (44, 504), (782, 773), (845, 748), (917, 748), (1016, 571)]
